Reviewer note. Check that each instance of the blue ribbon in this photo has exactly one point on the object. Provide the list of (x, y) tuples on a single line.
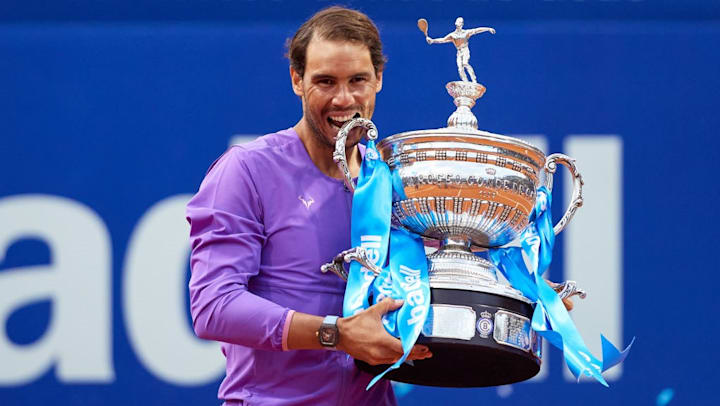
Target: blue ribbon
[(408, 276), (400, 254), (523, 267), (369, 228)]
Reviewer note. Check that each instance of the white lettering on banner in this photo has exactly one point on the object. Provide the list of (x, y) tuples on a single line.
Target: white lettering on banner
[(371, 244), (416, 316), (415, 297), (154, 299), (385, 289), (412, 278), (414, 294), (77, 282)]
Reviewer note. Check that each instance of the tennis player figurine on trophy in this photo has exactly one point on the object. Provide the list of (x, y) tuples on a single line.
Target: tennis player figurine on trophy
[(467, 188), (459, 38), (470, 90)]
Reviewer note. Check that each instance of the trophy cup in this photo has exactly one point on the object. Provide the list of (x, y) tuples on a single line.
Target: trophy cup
[(466, 188)]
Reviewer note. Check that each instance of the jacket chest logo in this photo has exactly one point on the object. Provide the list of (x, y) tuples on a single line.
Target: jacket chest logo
[(307, 202)]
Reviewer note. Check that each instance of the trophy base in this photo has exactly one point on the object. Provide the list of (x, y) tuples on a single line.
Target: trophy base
[(477, 339)]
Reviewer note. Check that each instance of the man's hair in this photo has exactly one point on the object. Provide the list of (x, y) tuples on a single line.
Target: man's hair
[(336, 24)]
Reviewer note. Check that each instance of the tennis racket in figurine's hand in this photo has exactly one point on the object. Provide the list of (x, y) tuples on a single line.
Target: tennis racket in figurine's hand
[(423, 26)]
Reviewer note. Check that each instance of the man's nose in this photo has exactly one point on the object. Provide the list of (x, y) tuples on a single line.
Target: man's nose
[(343, 96)]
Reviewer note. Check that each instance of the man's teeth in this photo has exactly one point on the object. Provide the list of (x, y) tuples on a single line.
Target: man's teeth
[(343, 118), (339, 121)]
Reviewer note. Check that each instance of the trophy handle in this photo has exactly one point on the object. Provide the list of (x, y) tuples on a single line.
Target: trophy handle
[(339, 154), (567, 289), (353, 254), (576, 200)]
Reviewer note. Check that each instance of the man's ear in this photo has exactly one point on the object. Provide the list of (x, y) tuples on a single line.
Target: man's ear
[(378, 84), (296, 82)]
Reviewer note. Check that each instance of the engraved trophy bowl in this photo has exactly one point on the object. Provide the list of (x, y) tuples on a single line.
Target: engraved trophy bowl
[(470, 190), (468, 187)]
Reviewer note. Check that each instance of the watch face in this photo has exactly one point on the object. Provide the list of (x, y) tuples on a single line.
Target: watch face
[(328, 336)]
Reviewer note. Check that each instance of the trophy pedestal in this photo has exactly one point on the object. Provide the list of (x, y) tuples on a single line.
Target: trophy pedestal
[(502, 349), (464, 95)]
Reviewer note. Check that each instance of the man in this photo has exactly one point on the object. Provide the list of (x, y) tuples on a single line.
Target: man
[(269, 213)]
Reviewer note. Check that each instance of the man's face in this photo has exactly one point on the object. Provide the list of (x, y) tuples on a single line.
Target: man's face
[(459, 22), (339, 84)]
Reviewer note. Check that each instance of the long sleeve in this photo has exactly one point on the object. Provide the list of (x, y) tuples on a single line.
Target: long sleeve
[(227, 236)]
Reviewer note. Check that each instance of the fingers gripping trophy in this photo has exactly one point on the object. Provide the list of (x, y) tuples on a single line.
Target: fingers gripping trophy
[(471, 190)]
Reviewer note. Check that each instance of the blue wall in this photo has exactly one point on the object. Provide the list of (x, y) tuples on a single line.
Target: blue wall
[(117, 106)]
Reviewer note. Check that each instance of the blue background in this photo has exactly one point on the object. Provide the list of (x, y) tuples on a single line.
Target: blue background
[(119, 104)]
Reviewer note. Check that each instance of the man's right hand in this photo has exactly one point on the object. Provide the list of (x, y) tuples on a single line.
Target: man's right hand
[(364, 337)]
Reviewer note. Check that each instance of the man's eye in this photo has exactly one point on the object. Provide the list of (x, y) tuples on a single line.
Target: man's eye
[(359, 79), (325, 82)]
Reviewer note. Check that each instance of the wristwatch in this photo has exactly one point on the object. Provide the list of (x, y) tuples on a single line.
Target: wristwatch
[(328, 333)]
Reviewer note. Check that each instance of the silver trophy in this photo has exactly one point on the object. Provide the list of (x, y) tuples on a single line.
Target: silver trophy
[(470, 190)]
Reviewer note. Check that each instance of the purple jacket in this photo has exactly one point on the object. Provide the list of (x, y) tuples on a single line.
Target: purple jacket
[(264, 220)]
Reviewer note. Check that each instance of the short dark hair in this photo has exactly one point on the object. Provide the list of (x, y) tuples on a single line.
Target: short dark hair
[(336, 24)]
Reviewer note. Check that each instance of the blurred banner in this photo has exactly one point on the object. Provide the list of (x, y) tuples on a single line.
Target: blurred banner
[(108, 122)]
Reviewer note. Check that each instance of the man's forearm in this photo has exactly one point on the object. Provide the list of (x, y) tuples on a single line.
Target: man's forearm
[(303, 332), (238, 317), (362, 336)]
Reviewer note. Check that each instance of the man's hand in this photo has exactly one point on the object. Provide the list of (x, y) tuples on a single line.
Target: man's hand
[(364, 337)]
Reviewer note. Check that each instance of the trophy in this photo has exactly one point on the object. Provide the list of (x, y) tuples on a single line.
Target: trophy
[(470, 190)]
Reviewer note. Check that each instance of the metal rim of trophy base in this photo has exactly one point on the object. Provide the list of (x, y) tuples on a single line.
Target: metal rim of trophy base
[(468, 272)]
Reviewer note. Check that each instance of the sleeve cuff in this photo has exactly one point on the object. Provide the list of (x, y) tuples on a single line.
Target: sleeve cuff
[(286, 329)]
